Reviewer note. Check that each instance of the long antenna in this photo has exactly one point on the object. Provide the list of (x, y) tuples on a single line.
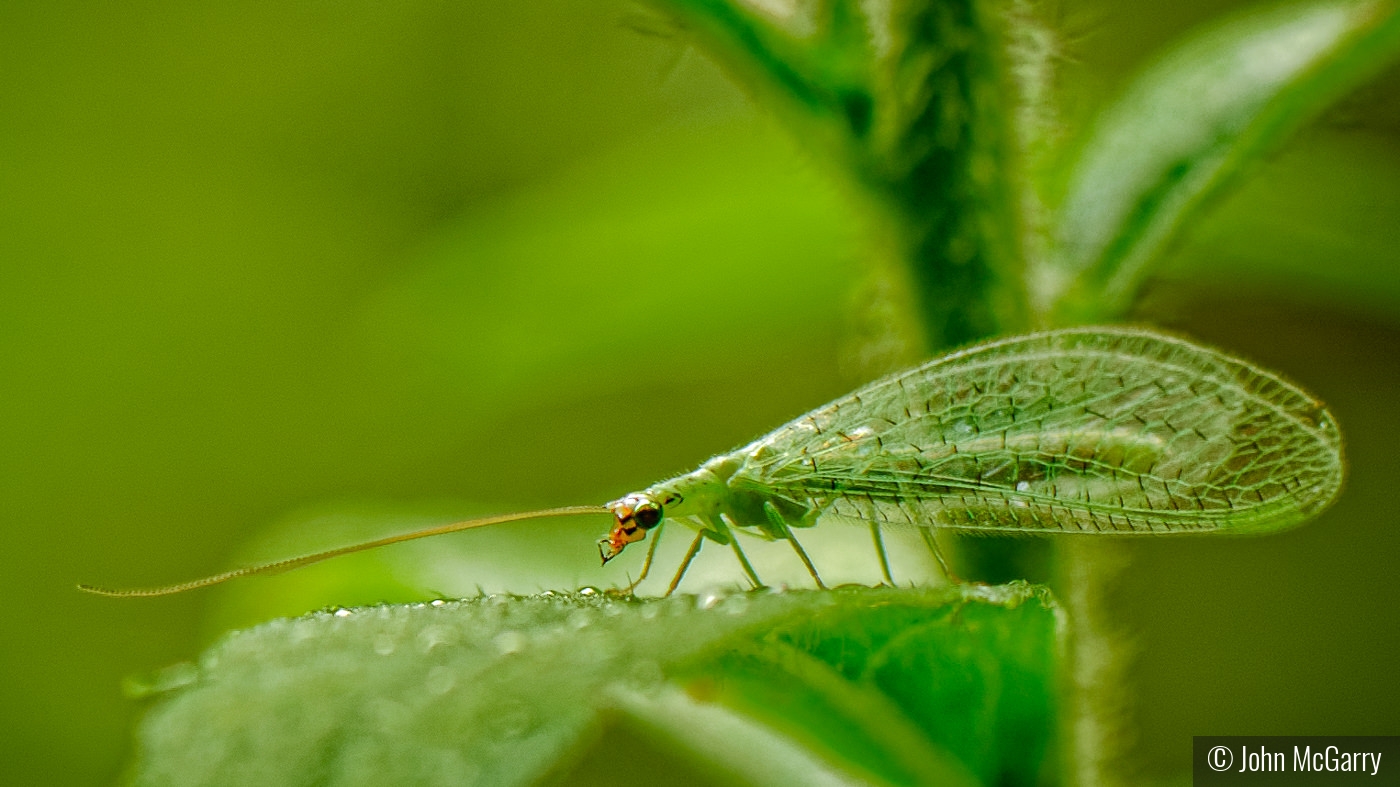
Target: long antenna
[(306, 560)]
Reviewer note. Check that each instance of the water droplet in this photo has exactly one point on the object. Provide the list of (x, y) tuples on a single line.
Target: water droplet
[(437, 602), (342, 612), (384, 644), (1022, 486), (435, 636), (440, 680), (588, 590), (510, 642), (708, 599)]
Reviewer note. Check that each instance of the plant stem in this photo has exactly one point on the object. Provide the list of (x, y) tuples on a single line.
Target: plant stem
[(1098, 727), (913, 103)]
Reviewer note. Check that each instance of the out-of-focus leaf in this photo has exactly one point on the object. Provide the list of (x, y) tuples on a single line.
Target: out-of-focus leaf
[(874, 686), (1317, 223), (1187, 129)]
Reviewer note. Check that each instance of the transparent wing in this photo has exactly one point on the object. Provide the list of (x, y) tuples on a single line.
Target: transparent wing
[(1090, 429)]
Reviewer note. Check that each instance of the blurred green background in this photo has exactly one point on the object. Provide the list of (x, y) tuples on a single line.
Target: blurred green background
[(277, 276)]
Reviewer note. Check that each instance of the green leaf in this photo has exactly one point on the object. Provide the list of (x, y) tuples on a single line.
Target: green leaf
[(1187, 129), (855, 686)]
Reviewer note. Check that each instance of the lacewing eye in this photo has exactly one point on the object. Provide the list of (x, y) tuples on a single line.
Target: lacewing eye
[(647, 516)]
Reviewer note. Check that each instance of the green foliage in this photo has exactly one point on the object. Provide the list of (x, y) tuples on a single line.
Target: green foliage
[(1189, 128), (942, 113), (854, 686), (912, 103), (939, 118)]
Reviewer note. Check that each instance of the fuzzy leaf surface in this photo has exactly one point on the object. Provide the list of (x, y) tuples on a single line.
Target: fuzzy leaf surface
[(870, 686)]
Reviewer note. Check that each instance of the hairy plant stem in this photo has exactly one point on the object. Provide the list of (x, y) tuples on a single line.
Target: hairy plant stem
[(934, 110), (1099, 723), (913, 103)]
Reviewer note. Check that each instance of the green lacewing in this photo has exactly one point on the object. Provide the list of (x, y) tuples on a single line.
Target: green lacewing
[(1095, 430)]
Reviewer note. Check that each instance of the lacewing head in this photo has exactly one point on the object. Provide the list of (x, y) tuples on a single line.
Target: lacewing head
[(633, 516)]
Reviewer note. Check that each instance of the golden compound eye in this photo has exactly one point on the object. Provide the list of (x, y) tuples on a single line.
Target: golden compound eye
[(647, 515)]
